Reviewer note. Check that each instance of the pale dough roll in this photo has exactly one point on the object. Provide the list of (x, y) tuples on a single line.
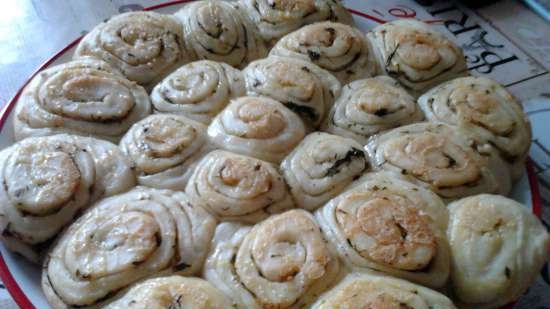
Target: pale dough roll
[(174, 292), (47, 181), (321, 166), (442, 158), (340, 49), (390, 225), (123, 239), (275, 18), (233, 187), (144, 46), (282, 262), (498, 249), (488, 110), (370, 106), (416, 55), (84, 97), (258, 127), (198, 90), (216, 30), (164, 149), (300, 85), (360, 291)]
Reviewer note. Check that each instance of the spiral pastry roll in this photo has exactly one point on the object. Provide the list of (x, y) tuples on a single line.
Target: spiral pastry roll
[(145, 46), (216, 30), (198, 90), (47, 181), (84, 97), (369, 106), (258, 127), (390, 225), (498, 249), (488, 110), (340, 49), (441, 158), (321, 166), (123, 239), (172, 292), (238, 188), (359, 291), (301, 85), (164, 149), (282, 262), (416, 55), (276, 18)]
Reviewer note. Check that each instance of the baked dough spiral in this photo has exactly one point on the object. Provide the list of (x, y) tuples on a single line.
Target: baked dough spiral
[(498, 249), (441, 158), (488, 110), (198, 90), (174, 292), (144, 46), (321, 166), (122, 239), (391, 225), (359, 291), (275, 18), (84, 97), (282, 262), (233, 187), (258, 127), (340, 49), (216, 30), (47, 181), (164, 149), (300, 85), (369, 106), (416, 55)]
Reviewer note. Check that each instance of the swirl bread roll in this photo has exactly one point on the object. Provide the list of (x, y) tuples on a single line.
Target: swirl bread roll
[(340, 49), (258, 127), (198, 90), (216, 30), (416, 55), (233, 187), (390, 225), (123, 239), (498, 249), (174, 292), (144, 46), (369, 106), (321, 166), (47, 181), (488, 110), (83, 97), (282, 262), (300, 85), (164, 149), (276, 18), (441, 158), (359, 291)]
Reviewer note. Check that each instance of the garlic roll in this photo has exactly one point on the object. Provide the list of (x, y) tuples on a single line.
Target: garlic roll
[(388, 224), (258, 127), (48, 181), (164, 149), (370, 106), (198, 90), (321, 166), (340, 49), (123, 239), (84, 97)]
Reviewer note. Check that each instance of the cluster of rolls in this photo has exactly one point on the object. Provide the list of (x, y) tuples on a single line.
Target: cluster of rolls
[(270, 155)]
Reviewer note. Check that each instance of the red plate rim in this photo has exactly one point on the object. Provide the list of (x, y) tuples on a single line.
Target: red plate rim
[(13, 287)]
